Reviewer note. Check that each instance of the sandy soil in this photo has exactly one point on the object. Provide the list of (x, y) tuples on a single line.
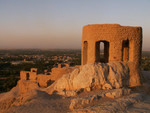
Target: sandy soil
[(141, 107), (43, 103)]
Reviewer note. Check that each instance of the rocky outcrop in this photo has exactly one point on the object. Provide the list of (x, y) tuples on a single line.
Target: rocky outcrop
[(13, 99), (8, 98), (80, 102), (117, 105), (93, 76)]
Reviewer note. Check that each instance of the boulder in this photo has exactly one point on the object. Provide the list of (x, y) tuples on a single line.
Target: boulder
[(93, 76)]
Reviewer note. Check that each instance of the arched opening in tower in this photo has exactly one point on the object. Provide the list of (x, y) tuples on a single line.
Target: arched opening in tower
[(102, 51), (102, 57)]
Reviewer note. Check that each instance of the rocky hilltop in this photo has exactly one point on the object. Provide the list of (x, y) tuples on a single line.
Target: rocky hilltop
[(91, 88)]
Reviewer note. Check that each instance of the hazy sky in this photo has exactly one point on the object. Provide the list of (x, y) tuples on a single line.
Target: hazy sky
[(58, 23)]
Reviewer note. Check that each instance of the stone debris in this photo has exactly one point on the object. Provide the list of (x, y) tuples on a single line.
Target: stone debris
[(117, 105), (80, 102), (115, 93), (118, 93)]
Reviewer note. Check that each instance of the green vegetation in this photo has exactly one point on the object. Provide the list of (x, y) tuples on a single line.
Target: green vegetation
[(7, 83), (7, 69), (41, 59)]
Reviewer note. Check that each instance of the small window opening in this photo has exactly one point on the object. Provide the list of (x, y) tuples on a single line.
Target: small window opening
[(125, 50), (85, 52)]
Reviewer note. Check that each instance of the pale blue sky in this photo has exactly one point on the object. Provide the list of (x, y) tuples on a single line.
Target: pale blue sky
[(58, 23)]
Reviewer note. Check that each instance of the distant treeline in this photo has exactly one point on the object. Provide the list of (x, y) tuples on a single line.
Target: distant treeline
[(50, 52), (146, 53)]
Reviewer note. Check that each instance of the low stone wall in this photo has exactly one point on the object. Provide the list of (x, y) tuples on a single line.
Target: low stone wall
[(42, 79)]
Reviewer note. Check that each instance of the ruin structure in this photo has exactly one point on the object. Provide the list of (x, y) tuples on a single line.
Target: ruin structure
[(121, 44), (46, 79)]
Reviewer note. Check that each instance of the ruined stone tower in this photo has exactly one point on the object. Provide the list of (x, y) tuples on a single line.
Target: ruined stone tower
[(121, 44)]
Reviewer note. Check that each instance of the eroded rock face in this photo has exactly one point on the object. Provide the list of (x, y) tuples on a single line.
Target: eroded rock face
[(6, 99), (93, 76)]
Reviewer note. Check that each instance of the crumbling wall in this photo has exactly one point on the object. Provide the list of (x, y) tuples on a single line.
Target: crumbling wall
[(33, 76), (58, 72), (34, 69), (28, 75), (44, 80), (24, 75)]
